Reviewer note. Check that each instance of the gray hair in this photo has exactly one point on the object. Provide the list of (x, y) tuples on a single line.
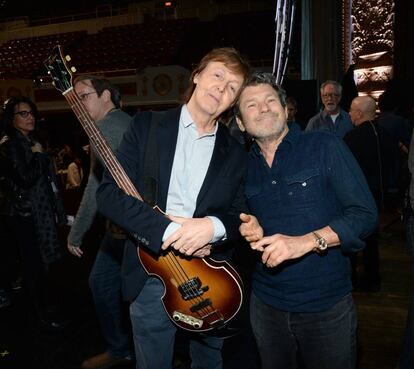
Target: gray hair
[(331, 82)]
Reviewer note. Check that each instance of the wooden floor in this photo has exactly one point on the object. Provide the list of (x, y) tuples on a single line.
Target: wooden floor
[(381, 318), (382, 315)]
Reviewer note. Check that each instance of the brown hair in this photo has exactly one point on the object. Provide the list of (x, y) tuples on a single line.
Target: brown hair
[(262, 78), (100, 85), (229, 56)]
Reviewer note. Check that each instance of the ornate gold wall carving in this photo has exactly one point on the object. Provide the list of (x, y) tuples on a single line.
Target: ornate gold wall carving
[(372, 42)]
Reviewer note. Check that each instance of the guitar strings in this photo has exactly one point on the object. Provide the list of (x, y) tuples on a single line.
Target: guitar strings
[(175, 266)]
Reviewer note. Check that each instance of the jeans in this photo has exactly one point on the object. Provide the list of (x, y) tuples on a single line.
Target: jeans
[(112, 311), (154, 334), (322, 340)]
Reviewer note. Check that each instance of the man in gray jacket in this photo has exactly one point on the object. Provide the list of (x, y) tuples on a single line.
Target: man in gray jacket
[(102, 101)]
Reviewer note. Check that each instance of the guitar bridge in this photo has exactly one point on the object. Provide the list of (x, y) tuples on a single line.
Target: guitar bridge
[(192, 288), (188, 319)]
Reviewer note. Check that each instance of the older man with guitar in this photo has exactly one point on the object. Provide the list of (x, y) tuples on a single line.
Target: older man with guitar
[(185, 162)]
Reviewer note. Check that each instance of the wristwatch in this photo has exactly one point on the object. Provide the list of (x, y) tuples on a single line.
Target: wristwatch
[(320, 243)]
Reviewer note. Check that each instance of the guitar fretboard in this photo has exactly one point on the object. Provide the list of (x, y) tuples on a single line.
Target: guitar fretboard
[(100, 144)]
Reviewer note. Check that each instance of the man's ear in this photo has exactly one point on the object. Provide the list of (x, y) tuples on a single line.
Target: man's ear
[(240, 124), (195, 78), (106, 95)]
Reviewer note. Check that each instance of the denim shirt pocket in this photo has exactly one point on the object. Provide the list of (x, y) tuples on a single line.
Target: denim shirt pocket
[(303, 188)]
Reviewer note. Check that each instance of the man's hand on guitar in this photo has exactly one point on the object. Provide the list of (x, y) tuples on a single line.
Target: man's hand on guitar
[(194, 234), (203, 252)]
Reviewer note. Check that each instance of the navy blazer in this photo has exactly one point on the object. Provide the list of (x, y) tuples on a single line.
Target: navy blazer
[(221, 194)]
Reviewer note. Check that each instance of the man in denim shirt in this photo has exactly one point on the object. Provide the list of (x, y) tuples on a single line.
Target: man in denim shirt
[(332, 118), (311, 207)]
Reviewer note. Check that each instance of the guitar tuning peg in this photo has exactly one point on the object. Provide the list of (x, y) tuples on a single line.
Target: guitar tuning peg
[(48, 72), (68, 58), (73, 69), (53, 83)]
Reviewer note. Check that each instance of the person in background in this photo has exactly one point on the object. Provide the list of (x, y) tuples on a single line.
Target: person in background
[(332, 118), (292, 109), (32, 206), (74, 174), (102, 101), (372, 148), (399, 130), (310, 207)]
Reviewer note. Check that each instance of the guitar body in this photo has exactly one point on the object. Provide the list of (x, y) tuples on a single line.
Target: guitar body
[(200, 294)]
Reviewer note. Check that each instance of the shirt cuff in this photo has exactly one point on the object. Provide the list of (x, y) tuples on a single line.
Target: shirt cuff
[(171, 228), (219, 229), (350, 242)]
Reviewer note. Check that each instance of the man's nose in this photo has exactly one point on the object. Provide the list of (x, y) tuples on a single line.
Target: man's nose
[(264, 107), (221, 87)]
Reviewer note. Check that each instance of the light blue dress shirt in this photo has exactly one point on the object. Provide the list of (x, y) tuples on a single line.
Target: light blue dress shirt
[(191, 161)]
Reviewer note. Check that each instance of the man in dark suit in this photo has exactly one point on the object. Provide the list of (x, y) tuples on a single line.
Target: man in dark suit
[(199, 184)]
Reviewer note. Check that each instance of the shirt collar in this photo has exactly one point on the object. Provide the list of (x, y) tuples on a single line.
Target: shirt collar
[(326, 115), (186, 121), (289, 140), (185, 118)]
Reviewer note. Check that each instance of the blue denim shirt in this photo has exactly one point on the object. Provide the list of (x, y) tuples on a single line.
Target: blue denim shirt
[(314, 181), (323, 122)]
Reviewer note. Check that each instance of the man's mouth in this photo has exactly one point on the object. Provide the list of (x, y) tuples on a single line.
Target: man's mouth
[(215, 98)]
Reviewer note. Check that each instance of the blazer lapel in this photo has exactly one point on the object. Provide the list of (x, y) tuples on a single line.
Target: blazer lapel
[(217, 160), (167, 142)]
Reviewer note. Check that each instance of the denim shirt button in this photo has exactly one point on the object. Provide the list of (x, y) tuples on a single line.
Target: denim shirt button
[(304, 184), (274, 182)]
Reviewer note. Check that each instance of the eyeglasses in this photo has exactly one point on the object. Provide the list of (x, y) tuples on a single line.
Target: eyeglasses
[(24, 113), (85, 95), (325, 96)]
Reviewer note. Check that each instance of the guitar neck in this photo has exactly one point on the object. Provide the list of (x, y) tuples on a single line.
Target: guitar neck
[(101, 145)]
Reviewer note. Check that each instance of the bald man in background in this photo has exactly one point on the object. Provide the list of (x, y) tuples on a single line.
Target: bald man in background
[(372, 148)]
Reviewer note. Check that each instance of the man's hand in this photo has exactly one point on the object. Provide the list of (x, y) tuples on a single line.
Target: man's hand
[(74, 250), (203, 252), (194, 234), (279, 248), (250, 228), (37, 147)]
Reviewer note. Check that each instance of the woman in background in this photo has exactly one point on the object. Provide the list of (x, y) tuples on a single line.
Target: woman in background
[(32, 206)]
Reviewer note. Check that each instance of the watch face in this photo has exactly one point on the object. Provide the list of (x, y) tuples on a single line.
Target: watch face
[(322, 244), (162, 84)]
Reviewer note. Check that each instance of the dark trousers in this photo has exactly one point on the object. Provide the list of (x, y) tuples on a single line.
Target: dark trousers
[(370, 262), (323, 340), (154, 334), (9, 269), (105, 283), (32, 267)]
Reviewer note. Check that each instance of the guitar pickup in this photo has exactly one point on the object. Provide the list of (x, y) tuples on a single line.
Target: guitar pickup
[(192, 288), (201, 305)]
